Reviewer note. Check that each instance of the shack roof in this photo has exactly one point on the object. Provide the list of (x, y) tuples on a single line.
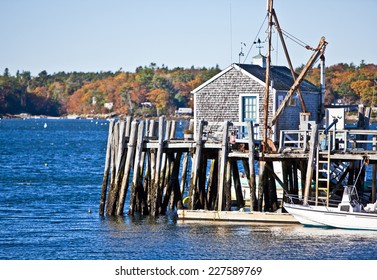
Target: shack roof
[(280, 75)]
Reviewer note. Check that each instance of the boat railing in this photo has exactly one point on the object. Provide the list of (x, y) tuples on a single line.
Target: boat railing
[(299, 199)]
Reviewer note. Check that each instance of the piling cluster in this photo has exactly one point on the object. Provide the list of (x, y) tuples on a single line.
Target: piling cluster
[(147, 162)]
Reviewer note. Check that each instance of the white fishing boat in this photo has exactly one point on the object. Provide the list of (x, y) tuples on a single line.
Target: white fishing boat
[(349, 213)]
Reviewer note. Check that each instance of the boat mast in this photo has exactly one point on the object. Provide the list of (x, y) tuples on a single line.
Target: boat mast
[(268, 65), (277, 25)]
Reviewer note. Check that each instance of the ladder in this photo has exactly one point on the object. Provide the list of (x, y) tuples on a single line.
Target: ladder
[(323, 167)]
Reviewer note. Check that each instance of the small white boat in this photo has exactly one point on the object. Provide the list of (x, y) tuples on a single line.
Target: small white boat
[(349, 214)]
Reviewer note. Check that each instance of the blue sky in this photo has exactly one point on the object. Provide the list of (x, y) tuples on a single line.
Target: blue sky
[(106, 35)]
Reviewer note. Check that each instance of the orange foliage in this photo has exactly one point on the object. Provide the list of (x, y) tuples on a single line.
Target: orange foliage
[(159, 98)]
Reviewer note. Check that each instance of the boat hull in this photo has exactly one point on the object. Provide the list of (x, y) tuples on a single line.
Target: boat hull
[(328, 217)]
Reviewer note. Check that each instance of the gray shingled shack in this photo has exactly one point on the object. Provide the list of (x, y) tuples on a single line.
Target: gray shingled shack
[(236, 94)]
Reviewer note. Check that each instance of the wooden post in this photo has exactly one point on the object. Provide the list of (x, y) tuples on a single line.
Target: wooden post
[(127, 169), (156, 190), (143, 153), (251, 169), (127, 131), (295, 177), (272, 204), (113, 193), (121, 142), (227, 185), (165, 161), (196, 167), (173, 182), (212, 185), (266, 188), (151, 167), (201, 184), (135, 188), (311, 162), (261, 184), (176, 188), (106, 170), (184, 172), (121, 151), (237, 185), (222, 161)]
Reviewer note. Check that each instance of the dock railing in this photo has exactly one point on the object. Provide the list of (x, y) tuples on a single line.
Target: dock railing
[(213, 131), (339, 140), (349, 140), (294, 140)]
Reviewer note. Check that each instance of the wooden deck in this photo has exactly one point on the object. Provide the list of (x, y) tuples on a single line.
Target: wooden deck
[(149, 154)]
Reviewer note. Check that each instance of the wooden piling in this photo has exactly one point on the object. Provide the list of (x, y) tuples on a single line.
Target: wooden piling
[(106, 169), (237, 185), (261, 184), (227, 186), (251, 167), (311, 162), (156, 189), (113, 194), (222, 161), (193, 192), (212, 185), (117, 192), (136, 188)]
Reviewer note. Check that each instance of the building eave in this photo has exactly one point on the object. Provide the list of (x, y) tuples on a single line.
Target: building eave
[(230, 67), (243, 71)]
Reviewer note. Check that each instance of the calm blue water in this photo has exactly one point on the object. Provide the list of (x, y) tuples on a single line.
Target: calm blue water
[(50, 177)]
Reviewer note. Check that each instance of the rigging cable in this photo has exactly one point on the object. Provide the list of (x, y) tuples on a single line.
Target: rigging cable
[(256, 37), (296, 40)]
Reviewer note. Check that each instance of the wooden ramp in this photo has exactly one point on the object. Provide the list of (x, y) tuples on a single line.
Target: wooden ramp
[(237, 216)]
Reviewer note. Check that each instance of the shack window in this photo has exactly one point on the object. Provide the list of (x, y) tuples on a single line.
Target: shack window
[(249, 112), (250, 108)]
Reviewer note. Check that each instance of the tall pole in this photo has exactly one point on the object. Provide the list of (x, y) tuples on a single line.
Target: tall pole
[(268, 65), (288, 59), (322, 88)]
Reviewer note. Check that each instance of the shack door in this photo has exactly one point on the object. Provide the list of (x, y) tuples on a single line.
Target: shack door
[(249, 112)]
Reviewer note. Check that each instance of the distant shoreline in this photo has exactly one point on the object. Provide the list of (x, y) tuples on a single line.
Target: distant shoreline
[(349, 118), (95, 116)]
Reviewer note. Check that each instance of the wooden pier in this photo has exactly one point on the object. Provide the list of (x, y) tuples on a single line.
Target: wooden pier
[(148, 165)]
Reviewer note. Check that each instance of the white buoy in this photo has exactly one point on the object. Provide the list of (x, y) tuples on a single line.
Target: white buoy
[(45, 125)]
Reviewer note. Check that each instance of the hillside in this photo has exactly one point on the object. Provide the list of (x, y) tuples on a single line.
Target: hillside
[(150, 90)]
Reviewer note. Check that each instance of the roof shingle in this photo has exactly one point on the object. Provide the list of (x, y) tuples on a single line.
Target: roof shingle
[(280, 75)]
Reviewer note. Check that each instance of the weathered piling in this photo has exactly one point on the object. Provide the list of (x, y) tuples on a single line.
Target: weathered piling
[(124, 179), (106, 169), (137, 191), (250, 169), (193, 192)]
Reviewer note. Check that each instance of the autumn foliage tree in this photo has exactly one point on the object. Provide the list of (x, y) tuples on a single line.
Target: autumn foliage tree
[(353, 84), (166, 89)]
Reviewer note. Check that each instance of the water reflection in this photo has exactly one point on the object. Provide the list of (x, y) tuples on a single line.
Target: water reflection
[(167, 238)]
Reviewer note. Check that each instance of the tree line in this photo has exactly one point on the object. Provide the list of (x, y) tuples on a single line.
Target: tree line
[(347, 82), (150, 90)]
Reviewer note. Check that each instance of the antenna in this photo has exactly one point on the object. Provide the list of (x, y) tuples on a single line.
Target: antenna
[(241, 52)]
